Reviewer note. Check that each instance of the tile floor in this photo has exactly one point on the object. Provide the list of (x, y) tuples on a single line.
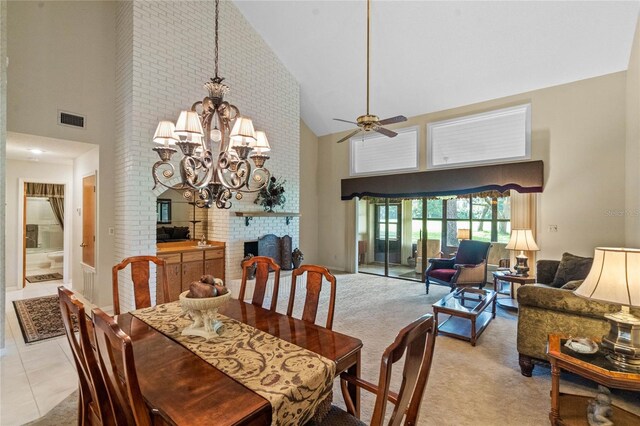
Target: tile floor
[(35, 377)]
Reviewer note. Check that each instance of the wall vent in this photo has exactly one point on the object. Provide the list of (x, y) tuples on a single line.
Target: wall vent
[(70, 119)]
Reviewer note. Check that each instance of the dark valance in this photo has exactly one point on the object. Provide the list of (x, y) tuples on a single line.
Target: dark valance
[(522, 177)]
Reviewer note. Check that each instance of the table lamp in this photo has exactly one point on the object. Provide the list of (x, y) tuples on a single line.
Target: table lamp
[(522, 239), (463, 234), (615, 277)]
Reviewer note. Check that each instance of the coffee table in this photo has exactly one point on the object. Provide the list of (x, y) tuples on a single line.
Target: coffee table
[(467, 313)]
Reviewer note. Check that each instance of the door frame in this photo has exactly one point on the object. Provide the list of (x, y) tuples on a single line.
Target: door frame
[(67, 232), (96, 216)]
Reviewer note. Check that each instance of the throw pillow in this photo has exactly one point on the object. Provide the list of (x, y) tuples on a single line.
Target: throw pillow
[(571, 268), (572, 285)]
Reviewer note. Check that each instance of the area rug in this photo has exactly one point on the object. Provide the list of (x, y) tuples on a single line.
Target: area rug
[(44, 277), (63, 414), (39, 318)]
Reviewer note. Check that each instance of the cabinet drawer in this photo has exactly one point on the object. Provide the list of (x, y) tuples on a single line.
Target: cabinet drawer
[(214, 254), (170, 258), (191, 257)]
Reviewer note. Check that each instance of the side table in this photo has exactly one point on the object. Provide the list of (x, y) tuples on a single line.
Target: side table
[(510, 302), (572, 409)]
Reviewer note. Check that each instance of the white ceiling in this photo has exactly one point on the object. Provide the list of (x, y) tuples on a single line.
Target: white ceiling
[(55, 150), (428, 56)]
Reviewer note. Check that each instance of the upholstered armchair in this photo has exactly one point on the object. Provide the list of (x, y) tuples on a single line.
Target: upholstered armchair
[(467, 269)]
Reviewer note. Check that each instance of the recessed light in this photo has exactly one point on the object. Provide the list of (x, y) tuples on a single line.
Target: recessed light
[(36, 151)]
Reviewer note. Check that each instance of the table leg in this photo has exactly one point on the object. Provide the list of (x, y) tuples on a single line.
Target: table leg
[(554, 415), (493, 308), (473, 332), (354, 391)]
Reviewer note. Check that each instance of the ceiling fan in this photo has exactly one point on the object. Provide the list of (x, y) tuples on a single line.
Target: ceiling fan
[(370, 122)]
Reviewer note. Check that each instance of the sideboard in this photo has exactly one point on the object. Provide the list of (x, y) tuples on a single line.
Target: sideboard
[(186, 262)]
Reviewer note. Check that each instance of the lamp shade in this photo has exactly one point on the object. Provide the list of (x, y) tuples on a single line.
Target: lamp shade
[(262, 144), (522, 239), (165, 133), (189, 124), (463, 234), (614, 277), (243, 132)]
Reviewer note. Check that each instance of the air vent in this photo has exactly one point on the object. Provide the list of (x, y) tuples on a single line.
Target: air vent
[(69, 119)]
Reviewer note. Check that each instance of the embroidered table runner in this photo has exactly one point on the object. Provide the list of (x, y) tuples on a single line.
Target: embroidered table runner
[(294, 380)]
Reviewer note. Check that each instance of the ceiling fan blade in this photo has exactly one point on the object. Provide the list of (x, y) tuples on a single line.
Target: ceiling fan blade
[(350, 135), (386, 132), (345, 121), (396, 119)]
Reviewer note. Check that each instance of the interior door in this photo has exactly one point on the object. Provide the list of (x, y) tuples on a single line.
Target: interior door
[(89, 220)]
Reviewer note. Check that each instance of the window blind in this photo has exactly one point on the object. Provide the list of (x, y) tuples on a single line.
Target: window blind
[(497, 136), (378, 154)]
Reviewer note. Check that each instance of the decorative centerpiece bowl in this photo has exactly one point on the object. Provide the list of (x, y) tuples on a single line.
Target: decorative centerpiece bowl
[(203, 313)]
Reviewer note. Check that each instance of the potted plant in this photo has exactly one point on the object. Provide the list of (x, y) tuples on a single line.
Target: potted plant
[(271, 195)]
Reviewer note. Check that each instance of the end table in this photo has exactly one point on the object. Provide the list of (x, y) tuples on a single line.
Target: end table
[(510, 302), (572, 409)]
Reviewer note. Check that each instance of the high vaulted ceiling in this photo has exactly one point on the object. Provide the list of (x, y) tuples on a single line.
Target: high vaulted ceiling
[(428, 56)]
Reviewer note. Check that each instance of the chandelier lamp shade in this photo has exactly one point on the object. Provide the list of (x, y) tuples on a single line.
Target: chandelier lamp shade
[(615, 278), (522, 240), (222, 156)]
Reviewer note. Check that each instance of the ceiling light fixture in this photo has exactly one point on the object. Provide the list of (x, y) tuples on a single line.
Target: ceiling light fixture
[(206, 178), (36, 151)]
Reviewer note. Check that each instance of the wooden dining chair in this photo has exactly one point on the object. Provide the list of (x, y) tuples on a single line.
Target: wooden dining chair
[(263, 265), (417, 340), (115, 357), (93, 401), (140, 277), (315, 275)]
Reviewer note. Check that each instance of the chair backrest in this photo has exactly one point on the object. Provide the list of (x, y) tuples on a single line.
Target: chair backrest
[(92, 388), (472, 252), (315, 274), (115, 355), (417, 340), (140, 278), (263, 263)]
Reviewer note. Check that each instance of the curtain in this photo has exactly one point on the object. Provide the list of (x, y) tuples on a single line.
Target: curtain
[(523, 216), (55, 194)]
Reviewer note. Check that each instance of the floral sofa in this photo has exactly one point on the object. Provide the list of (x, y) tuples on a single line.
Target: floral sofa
[(550, 306)]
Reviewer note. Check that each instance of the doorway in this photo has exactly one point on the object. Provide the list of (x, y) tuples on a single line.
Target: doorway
[(43, 232), (88, 244)]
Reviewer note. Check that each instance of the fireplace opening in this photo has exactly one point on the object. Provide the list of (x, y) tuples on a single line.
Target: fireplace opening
[(250, 247)]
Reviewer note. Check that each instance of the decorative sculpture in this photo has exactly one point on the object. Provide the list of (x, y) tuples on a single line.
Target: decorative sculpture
[(599, 410), (298, 257)]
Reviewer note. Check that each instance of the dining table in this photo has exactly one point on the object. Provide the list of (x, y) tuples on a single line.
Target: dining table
[(184, 389)]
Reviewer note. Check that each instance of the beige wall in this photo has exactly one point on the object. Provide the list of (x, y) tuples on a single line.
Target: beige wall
[(62, 57), (632, 205), (578, 130), (308, 194)]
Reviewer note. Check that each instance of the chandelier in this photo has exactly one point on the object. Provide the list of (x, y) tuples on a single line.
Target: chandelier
[(215, 162)]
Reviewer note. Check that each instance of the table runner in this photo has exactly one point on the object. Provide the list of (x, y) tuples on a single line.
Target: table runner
[(294, 380)]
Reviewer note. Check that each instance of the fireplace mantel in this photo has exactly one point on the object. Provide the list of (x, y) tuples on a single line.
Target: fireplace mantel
[(248, 216)]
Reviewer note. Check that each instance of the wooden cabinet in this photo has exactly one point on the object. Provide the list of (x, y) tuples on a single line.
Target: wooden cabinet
[(186, 264)]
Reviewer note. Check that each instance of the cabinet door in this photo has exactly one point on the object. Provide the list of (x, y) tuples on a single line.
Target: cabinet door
[(191, 271), (214, 267), (174, 284)]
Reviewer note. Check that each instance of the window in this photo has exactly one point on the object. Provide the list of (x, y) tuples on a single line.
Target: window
[(487, 218), (163, 211), (378, 154), (493, 137)]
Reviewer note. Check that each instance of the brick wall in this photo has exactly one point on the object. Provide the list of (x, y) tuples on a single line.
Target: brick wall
[(165, 55)]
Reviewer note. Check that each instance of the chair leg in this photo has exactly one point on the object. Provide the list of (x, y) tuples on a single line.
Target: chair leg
[(426, 283), (526, 365)]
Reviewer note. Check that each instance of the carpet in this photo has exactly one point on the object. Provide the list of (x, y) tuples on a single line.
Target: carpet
[(39, 318), (468, 386), (63, 414), (44, 277)]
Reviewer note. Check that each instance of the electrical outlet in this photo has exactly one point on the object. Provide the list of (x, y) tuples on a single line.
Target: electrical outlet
[(112, 230), (553, 228)]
